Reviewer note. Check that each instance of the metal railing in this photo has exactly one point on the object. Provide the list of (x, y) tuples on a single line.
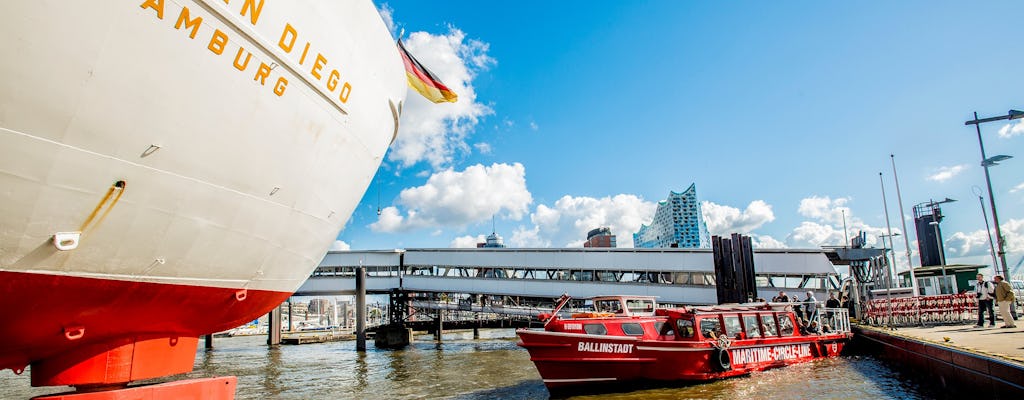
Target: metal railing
[(946, 309)]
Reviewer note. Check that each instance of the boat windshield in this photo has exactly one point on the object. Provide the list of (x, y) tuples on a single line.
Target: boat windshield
[(640, 305), (608, 305)]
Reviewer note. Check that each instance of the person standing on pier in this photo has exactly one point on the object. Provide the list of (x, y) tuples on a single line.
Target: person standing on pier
[(984, 290), (1004, 297)]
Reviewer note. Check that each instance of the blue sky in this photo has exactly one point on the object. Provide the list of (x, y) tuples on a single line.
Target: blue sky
[(574, 115)]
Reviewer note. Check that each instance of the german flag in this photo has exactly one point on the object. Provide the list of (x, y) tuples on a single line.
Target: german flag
[(423, 80)]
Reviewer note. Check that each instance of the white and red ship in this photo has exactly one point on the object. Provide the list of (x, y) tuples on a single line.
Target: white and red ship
[(170, 169), (629, 340)]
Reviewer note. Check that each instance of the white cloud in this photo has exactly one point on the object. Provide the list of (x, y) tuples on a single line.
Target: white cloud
[(766, 242), (483, 148), (1017, 188), (533, 126), (826, 226), (975, 244), (434, 133), (969, 244), (947, 173), (339, 245), (725, 220), (566, 223), (1011, 130), (824, 208), (528, 238), (452, 199), (466, 242)]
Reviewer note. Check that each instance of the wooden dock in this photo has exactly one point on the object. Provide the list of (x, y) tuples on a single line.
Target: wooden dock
[(958, 358), (316, 337)]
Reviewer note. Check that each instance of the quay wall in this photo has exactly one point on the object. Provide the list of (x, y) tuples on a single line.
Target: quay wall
[(951, 370)]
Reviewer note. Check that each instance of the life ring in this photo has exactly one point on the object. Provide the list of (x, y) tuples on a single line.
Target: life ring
[(720, 360)]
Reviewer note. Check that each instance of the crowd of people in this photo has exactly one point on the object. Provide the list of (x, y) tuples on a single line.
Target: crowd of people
[(806, 311)]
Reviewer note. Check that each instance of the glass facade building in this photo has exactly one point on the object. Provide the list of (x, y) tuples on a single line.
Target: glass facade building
[(677, 223)]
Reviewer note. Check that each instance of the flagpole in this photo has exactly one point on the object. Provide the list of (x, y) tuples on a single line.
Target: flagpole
[(903, 220)]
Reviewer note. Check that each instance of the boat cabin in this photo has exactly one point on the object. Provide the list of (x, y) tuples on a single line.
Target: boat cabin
[(735, 323), (626, 306), (638, 316)]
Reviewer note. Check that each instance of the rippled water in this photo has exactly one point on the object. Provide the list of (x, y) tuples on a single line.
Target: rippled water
[(492, 367)]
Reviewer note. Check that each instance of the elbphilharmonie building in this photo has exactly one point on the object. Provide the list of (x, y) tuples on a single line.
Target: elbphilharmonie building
[(677, 223)]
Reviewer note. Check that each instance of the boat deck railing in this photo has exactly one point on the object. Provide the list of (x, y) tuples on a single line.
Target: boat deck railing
[(836, 318)]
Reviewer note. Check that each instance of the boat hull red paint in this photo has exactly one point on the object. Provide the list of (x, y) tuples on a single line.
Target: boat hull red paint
[(88, 331), (202, 388)]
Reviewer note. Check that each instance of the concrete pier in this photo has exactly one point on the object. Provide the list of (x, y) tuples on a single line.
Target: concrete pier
[(274, 327), (984, 362), (360, 309)]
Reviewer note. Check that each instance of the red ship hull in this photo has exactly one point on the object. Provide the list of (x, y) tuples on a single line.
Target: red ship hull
[(74, 333)]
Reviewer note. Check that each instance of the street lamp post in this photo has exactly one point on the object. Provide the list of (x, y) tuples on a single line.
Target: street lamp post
[(985, 162), (988, 229)]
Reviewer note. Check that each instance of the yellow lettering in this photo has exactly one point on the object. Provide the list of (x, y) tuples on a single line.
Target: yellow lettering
[(157, 5), (346, 89), (288, 31), (303, 58), (318, 65), (244, 64), (281, 85), (262, 73), (183, 18), (332, 80), (250, 5), (217, 42)]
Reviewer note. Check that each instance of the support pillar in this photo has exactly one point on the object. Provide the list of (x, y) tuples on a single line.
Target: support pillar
[(290, 318), (274, 328), (440, 325), (476, 333), (209, 341), (360, 308)]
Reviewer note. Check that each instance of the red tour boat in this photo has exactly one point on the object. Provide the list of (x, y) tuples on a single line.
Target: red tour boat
[(628, 339)]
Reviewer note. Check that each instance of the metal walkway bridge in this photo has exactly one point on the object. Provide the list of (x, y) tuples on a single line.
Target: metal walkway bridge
[(676, 276)]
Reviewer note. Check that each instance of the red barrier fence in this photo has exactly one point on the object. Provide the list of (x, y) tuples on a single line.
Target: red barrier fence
[(927, 310)]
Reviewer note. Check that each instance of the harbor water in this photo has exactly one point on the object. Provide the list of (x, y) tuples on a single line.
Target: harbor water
[(491, 367)]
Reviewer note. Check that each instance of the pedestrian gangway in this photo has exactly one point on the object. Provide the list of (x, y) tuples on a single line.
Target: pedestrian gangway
[(675, 276)]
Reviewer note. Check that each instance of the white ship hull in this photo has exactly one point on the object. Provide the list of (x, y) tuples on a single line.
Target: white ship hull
[(224, 154)]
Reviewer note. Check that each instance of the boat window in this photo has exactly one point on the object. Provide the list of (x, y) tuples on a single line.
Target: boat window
[(685, 327), (768, 325), (595, 329), (639, 305), (751, 326), (611, 306), (710, 327), (785, 325), (732, 326), (632, 329), (664, 329)]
